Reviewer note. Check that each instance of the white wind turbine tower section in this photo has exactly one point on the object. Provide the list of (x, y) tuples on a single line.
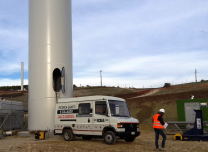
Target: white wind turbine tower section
[(22, 76), (50, 60)]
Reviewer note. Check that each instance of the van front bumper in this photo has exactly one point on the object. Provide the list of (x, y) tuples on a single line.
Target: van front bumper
[(128, 134)]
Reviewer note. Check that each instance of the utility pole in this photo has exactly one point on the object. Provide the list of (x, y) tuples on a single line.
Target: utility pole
[(101, 77), (196, 75)]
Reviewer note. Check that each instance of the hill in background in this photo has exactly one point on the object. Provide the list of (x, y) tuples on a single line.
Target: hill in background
[(142, 103)]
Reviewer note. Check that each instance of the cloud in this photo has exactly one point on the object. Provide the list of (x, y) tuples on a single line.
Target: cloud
[(12, 82), (133, 42), (130, 32), (150, 42), (13, 37), (149, 70), (10, 68)]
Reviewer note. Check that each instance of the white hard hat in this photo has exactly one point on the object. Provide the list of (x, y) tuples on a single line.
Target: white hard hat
[(162, 110)]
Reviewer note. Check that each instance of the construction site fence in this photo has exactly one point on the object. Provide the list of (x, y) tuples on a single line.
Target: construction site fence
[(11, 115)]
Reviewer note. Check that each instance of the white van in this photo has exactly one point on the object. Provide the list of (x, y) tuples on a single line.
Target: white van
[(95, 116)]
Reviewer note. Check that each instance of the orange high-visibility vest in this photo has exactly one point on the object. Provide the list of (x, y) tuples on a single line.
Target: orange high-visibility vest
[(156, 123)]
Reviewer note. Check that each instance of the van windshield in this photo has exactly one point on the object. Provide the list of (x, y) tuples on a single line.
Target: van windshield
[(118, 108)]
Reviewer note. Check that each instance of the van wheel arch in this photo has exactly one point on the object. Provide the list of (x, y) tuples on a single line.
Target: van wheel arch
[(108, 128), (67, 128)]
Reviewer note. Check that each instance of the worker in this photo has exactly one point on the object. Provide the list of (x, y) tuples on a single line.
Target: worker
[(158, 123)]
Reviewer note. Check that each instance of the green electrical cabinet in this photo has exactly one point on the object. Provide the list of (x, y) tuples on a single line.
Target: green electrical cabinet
[(185, 109)]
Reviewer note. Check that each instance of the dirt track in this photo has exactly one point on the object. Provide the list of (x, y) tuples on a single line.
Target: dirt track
[(153, 91), (145, 142)]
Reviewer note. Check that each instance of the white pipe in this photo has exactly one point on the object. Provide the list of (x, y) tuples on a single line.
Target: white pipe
[(50, 47)]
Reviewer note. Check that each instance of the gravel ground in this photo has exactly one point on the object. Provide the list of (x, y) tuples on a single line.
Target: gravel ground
[(145, 142)]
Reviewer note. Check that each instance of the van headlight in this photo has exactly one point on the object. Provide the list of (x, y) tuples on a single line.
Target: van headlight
[(119, 125)]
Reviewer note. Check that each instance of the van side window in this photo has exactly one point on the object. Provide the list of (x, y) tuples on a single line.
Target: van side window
[(101, 108), (84, 108)]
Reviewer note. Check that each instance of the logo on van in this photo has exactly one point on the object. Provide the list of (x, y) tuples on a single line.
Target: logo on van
[(62, 107), (68, 111), (70, 107), (66, 107), (66, 116), (100, 120)]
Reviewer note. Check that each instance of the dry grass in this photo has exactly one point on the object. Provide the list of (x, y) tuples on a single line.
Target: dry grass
[(9, 94), (200, 86), (108, 91), (144, 108)]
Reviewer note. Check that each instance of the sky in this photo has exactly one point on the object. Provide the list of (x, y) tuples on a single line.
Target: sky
[(136, 43)]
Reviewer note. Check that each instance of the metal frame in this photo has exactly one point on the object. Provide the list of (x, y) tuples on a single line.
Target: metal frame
[(181, 126)]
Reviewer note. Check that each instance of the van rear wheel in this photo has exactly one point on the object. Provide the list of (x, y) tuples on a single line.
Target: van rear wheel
[(110, 138), (68, 135)]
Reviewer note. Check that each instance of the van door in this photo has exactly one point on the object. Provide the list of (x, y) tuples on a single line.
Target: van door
[(84, 118), (101, 118)]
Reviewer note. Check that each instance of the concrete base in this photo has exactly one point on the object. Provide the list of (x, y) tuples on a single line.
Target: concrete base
[(49, 134), (27, 134), (24, 134)]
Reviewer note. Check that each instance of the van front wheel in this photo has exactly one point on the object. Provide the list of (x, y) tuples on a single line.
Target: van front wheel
[(68, 135), (110, 138)]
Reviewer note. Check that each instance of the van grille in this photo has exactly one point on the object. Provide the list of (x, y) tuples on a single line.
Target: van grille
[(130, 127)]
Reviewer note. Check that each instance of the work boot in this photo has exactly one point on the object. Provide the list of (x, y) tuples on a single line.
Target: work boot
[(163, 149)]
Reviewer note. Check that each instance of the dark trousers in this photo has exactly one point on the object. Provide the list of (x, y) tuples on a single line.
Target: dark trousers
[(157, 133)]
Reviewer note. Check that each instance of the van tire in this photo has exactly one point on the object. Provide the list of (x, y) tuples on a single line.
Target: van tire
[(109, 138), (130, 139), (68, 135), (86, 137)]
